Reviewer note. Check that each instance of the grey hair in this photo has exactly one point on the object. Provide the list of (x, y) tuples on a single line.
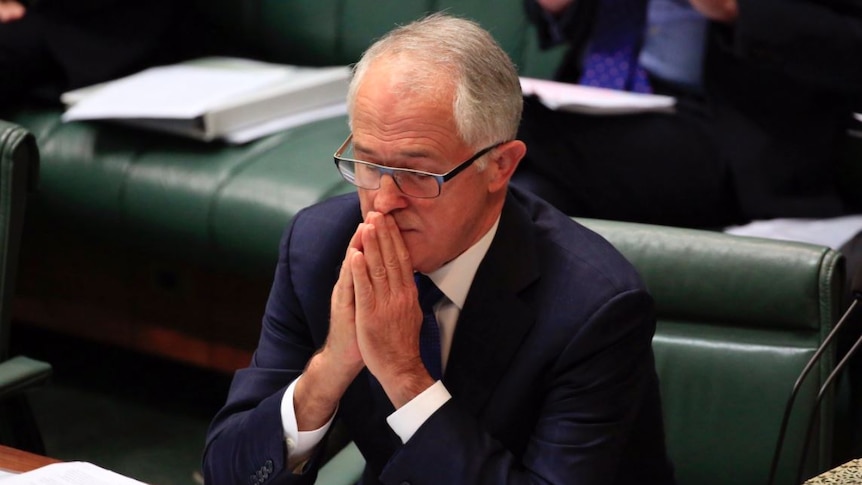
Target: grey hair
[(442, 51)]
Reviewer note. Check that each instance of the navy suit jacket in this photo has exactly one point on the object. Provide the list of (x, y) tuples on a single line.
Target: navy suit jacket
[(551, 367)]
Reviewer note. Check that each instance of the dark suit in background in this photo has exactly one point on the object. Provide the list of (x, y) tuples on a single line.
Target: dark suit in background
[(551, 369), (761, 140), (66, 44)]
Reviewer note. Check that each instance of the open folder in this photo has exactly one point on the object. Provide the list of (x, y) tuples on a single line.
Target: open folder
[(215, 98)]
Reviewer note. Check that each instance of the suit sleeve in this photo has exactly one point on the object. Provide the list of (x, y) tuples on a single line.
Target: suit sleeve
[(246, 443), (595, 390), (815, 42)]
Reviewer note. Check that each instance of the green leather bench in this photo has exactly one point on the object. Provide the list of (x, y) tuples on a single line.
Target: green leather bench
[(738, 318), (167, 245), (19, 170), (143, 239)]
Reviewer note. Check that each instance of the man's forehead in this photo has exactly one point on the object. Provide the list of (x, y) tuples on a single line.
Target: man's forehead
[(404, 122), (402, 148)]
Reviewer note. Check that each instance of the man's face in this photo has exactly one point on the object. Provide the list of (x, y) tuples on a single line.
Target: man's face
[(418, 132)]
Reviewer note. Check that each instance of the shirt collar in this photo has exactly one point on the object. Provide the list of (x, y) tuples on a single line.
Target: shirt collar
[(455, 277)]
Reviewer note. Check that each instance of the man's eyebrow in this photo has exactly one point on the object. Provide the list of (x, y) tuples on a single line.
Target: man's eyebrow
[(416, 153)]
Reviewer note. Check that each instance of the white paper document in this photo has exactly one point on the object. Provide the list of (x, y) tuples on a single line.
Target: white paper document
[(832, 232), (180, 91), (69, 473), (227, 98), (287, 122), (592, 100)]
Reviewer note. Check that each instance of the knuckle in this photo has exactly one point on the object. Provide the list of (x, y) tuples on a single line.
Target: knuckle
[(378, 272)]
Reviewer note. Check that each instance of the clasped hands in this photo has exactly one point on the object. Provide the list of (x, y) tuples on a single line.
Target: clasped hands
[(375, 315)]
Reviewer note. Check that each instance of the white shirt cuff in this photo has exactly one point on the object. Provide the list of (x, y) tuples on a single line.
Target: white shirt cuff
[(300, 444), (406, 420)]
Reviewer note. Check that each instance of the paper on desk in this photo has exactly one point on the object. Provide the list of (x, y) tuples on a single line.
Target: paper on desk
[(593, 100), (832, 232), (269, 127), (69, 473), (179, 91)]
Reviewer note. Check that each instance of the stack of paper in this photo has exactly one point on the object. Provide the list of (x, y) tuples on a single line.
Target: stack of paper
[(592, 100), (69, 473), (832, 232), (216, 98)]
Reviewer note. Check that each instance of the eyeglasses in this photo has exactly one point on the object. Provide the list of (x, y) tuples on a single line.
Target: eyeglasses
[(415, 183)]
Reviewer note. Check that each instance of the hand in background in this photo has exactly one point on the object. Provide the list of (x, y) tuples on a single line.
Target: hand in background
[(554, 7), (11, 10), (718, 10)]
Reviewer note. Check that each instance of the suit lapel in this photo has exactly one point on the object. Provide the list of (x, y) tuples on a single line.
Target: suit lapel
[(495, 319)]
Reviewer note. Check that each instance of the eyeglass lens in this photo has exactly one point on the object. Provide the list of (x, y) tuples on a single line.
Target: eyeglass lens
[(368, 176)]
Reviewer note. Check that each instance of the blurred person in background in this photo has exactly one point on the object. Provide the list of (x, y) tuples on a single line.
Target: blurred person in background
[(50, 46), (765, 88)]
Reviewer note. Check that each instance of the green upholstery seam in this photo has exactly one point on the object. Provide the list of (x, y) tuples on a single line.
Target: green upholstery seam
[(260, 148)]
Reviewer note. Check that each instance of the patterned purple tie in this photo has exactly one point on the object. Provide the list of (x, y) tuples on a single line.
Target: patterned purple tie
[(429, 333), (611, 59)]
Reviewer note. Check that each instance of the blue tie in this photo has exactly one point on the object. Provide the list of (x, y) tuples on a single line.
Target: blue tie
[(429, 333), (611, 59)]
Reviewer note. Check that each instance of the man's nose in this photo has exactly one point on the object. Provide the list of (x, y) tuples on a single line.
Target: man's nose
[(388, 197)]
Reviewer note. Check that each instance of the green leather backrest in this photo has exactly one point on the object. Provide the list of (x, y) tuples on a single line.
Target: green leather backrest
[(19, 162), (325, 32), (738, 318)]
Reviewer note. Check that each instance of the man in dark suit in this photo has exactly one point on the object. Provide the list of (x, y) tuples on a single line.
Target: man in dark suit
[(545, 329), (765, 98)]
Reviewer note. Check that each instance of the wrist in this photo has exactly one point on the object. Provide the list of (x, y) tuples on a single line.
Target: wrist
[(403, 384), (317, 394)]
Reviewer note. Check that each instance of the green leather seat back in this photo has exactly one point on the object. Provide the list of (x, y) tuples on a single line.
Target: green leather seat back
[(19, 169), (211, 204), (738, 318), (326, 32), (19, 164)]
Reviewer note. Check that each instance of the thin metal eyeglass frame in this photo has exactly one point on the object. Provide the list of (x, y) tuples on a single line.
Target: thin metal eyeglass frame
[(441, 178)]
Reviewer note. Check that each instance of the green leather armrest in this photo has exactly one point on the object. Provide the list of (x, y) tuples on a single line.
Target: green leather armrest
[(345, 468), (20, 373)]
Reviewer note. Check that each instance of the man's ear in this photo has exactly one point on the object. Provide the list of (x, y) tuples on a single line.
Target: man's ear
[(503, 162)]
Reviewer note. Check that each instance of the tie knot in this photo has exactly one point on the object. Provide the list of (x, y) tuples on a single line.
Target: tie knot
[(429, 294)]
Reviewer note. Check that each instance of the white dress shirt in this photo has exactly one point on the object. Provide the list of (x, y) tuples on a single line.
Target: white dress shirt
[(454, 280)]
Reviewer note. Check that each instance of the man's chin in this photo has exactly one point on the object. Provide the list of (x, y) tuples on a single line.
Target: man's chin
[(413, 244), (418, 250)]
